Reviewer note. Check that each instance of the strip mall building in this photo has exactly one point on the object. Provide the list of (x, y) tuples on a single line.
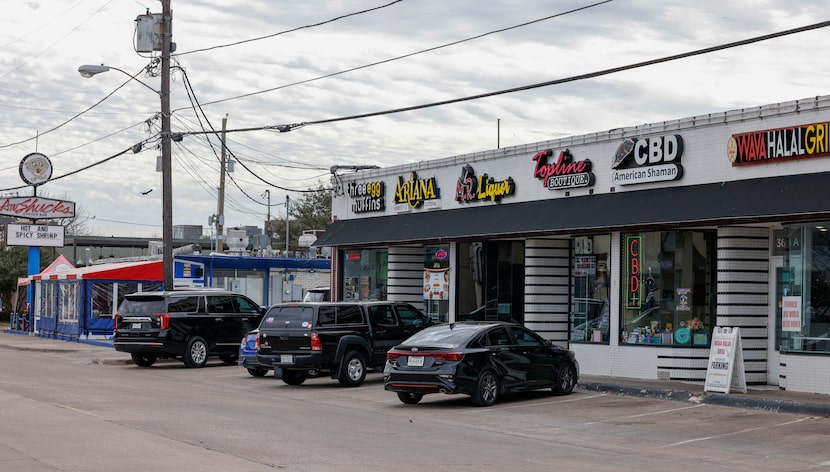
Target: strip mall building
[(628, 246)]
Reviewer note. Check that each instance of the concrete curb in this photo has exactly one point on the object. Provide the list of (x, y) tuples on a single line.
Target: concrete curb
[(733, 400)]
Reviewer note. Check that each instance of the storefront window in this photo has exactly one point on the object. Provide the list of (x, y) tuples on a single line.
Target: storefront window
[(365, 274), (491, 281), (590, 306), (668, 288), (804, 282)]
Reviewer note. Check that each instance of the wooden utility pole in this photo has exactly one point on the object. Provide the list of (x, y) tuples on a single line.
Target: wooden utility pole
[(220, 210)]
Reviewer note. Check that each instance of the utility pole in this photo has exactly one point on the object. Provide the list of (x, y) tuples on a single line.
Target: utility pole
[(220, 210), (268, 218), (286, 225), (166, 164)]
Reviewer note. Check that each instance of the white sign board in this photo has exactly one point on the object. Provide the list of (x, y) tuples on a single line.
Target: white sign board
[(791, 314), (726, 362), (34, 235)]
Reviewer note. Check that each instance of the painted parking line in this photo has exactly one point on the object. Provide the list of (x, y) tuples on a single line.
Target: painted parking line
[(750, 430)]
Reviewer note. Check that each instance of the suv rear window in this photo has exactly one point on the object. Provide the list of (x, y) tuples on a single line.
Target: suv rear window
[(142, 306)]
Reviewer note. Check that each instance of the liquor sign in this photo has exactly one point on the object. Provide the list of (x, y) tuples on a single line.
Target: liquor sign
[(776, 145), (35, 235), (471, 188), (647, 160), (36, 208)]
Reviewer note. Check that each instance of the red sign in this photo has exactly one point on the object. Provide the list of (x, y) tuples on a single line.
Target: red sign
[(775, 145), (565, 173), (36, 208)]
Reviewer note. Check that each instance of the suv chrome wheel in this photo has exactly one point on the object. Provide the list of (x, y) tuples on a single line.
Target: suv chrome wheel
[(197, 352)]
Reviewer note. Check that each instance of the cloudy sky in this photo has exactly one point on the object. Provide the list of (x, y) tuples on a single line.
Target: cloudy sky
[(240, 60)]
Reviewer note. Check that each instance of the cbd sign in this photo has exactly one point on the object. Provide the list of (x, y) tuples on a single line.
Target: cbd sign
[(646, 160), (633, 271)]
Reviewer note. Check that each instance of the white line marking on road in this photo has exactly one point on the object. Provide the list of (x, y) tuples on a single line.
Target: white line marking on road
[(734, 433), (83, 412)]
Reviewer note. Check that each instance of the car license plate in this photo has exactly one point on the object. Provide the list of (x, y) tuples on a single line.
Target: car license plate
[(286, 359), (135, 325), (415, 361)]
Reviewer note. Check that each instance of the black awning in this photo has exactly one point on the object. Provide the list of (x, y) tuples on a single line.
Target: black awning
[(768, 199)]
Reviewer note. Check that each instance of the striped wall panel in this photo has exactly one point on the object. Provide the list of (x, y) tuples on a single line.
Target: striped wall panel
[(547, 263), (743, 293), (405, 279)]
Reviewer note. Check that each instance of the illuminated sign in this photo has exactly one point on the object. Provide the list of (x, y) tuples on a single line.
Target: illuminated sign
[(647, 160), (775, 145), (565, 173), (633, 271), (367, 197), (413, 193), (470, 189)]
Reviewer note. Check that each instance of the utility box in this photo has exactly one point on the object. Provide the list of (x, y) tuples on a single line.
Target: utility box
[(148, 32)]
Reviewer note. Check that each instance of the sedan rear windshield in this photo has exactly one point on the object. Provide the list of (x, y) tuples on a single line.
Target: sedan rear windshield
[(288, 316), (447, 336)]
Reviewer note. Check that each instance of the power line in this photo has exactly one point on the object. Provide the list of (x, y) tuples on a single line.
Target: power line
[(289, 31), (392, 59), (4, 146), (288, 127)]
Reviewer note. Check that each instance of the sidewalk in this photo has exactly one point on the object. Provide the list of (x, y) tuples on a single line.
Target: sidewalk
[(758, 397)]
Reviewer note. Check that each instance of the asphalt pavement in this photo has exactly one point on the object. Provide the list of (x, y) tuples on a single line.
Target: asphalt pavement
[(758, 397)]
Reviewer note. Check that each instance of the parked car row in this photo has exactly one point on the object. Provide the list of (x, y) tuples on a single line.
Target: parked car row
[(344, 340)]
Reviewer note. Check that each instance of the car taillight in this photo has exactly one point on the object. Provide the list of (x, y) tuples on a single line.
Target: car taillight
[(448, 356), (257, 342), (116, 320), (390, 356), (316, 345), (163, 320)]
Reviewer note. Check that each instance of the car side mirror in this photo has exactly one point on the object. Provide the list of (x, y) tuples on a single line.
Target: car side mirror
[(548, 342)]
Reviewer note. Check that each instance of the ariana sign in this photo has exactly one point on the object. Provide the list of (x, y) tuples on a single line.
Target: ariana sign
[(417, 193), (647, 160)]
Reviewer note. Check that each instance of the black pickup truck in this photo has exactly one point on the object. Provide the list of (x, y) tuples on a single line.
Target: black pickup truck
[(343, 339)]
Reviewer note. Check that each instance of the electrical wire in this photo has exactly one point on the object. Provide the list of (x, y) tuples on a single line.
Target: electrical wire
[(288, 127), (4, 146), (392, 59), (289, 31)]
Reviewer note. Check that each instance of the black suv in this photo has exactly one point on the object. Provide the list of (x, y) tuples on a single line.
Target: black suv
[(302, 340), (187, 325)]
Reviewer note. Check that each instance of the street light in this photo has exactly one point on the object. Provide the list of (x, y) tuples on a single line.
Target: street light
[(166, 162), (89, 70)]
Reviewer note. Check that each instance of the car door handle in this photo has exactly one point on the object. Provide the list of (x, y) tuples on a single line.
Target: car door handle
[(217, 319)]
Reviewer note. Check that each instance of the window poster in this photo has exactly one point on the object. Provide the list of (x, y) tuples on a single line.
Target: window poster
[(436, 284), (791, 314)]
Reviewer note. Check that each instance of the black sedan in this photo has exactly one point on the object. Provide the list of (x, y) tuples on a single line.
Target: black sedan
[(480, 359)]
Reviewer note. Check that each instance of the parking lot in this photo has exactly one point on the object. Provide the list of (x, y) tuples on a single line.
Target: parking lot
[(70, 411)]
